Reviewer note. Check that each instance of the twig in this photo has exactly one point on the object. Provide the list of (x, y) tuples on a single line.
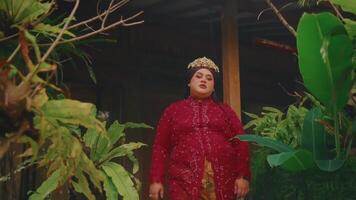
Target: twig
[(121, 22), (56, 41), (114, 8), (281, 18), (107, 14), (263, 11), (336, 11), (9, 37), (59, 36), (13, 54)]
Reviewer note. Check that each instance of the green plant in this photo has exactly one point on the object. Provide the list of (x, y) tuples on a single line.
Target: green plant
[(64, 137), (72, 154), (274, 124), (327, 63)]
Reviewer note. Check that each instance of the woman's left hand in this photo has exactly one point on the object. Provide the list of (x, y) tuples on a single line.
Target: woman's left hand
[(241, 187)]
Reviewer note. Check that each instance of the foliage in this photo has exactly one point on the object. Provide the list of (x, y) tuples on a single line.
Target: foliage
[(63, 136), (327, 55), (274, 124)]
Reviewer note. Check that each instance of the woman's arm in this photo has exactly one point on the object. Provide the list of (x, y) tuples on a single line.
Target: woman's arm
[(161, 148), (242, 148)]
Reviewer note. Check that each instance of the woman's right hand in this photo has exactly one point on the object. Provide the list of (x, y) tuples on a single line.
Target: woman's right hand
[(156, 191)]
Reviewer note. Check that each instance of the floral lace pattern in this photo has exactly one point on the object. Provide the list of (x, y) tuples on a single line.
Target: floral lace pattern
[(191, 131)]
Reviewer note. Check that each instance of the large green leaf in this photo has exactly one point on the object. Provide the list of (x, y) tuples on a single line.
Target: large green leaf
[(99, 144), (122, 181), (123, 150), (294, 161), (95, 175), (329, 165), (314, 134), (115, 132), (346, 5), (325, 58), (25, 11), (267, 142), (110, 190), (47, 186), (72, 112)]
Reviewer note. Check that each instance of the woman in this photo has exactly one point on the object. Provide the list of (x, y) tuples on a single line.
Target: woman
[(193, 144)]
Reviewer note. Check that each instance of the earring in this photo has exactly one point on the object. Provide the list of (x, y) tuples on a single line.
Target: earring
[(188, 85)]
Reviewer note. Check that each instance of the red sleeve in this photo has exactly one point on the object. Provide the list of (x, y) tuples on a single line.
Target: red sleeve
[(242, 148), (161, 148)]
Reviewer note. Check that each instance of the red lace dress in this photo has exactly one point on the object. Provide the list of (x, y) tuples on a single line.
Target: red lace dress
[(192, 131)]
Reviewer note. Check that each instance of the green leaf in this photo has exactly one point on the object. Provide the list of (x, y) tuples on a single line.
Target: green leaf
[(325, 58), (137, 125), (25, 11), (48, 29), (48, 185), (350, 26), (99, 144), (121, 180), (82, 186), (271, 109), (73, 112), (135, 164), (346, 5), (329, 165), (314, 134), (95, 175), (116, 131), (267, 142), (110, 190), (123, 150), (251, 115), (294, 161)]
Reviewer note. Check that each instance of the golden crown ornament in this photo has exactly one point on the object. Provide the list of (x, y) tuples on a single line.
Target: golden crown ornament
[(203, 62)]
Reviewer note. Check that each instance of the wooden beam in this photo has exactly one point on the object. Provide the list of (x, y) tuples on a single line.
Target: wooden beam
[(230, 56)]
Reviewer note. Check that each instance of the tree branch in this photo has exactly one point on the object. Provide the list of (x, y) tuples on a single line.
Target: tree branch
[(121, 22), (338, 13), (107, 14), (13, 54), (114, 8), (281, 18), (8, 37), (55, 42)]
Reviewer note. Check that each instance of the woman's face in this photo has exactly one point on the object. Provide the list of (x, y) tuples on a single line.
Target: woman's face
[(202, 84)]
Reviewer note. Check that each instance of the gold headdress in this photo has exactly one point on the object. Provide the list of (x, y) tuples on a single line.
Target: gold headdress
[(203, 62)]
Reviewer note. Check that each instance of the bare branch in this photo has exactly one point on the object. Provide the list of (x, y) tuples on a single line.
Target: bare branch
[(13, 54), (281, 18), (59, 36), (338, 13), (8, 37), (114, 8), (107, 14), (122, 22), (56, 41), (263, 11)]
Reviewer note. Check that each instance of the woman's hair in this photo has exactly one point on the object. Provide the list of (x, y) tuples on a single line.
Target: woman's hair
[(190, 73)]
